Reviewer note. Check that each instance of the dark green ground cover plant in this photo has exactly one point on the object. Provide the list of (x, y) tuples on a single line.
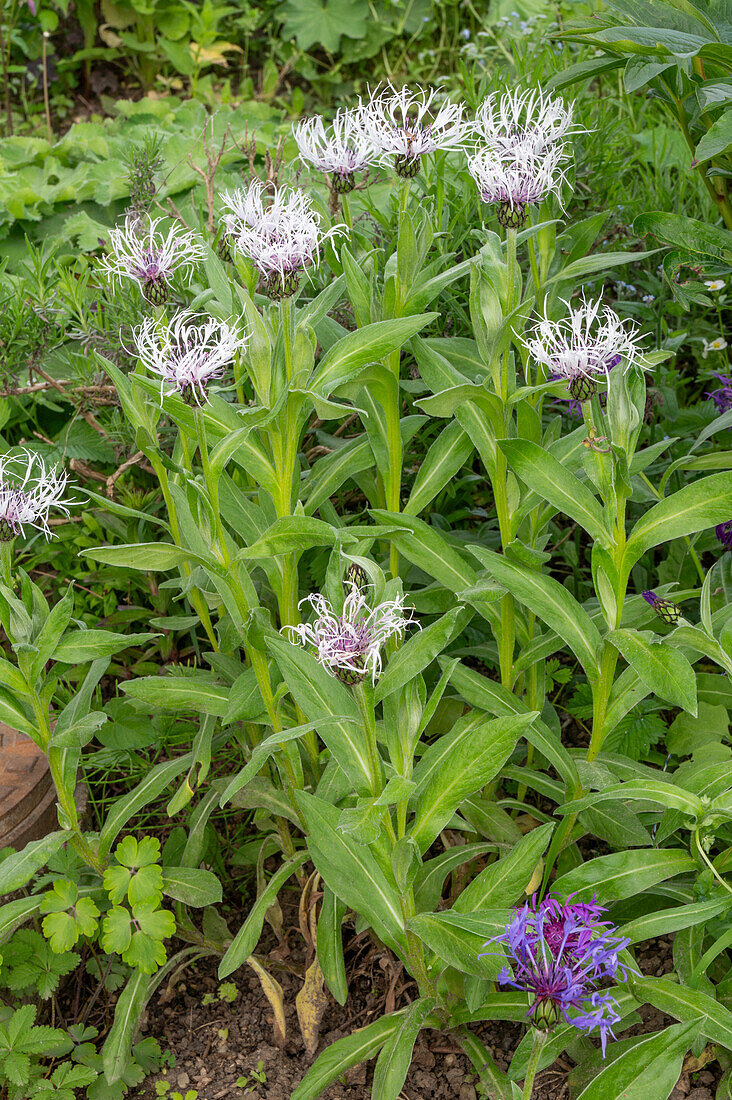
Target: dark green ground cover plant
[(421, 571)]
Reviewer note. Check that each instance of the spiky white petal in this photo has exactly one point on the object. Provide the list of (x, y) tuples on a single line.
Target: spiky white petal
[(281, 237), (351, 642), (27, 494), (146, 254), (519, 177), (589, 342), (342, 147), (410, 123), (187, 356), (528, 119)]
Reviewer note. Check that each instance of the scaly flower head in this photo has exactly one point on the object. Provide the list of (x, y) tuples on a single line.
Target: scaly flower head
[(341, 148), (349, 645), (722, 396), (584, 347), (559, 952), (723, 531), (518, 120), (667, 611), (185, 355), (405, 125), (28, 491), (146, 255), (281, 238), (516, 179)]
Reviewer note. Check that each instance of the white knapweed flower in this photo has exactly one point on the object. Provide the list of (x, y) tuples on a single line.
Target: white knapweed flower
[(341, 148), (516, 179), (523, 119), (349, 645), (715, 284), (28, 491), (584, 346), (713, 345), (405, 125), (185, 355), (150, 257), (281, 237)]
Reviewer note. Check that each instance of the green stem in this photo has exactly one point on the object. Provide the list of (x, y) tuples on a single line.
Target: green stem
[(287, 334), (6, 562), (364, 694), (705, 859), (539, 1040), (212, 485)]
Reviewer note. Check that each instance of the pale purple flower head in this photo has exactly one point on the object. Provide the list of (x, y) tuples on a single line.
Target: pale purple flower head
[(516, 178), (149, 257), (349, 645), (404, 125), (559, 953), (668, 611), (341, 148), (722, 396), (584, 347), (185, 355), (523, 120), (723, 531), (28, 491), (282, 237)]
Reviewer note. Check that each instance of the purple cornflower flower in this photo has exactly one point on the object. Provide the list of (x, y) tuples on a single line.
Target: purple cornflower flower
[(559, 952), (28, 495), (722, 397), (666, 610), (723, 531), (149, 258), (349, 645)]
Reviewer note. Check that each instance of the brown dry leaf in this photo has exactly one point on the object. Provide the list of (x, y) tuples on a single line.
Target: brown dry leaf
[(275, 996), (693, 1065), (533, 883), (311, 1002)]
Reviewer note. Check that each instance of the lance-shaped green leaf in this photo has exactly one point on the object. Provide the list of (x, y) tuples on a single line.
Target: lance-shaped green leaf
[(704, 503), (502, 883), (15, 913), (459, 939), (291, 534), (79, 646), (127, 1014), (187, 693), (431, 875), (150, 556), (445, 458), (353, 1049), (688, 234), (246, 939), (426, 547), (332, 471), (395, 1058), (419, 651), (330, 945), (192, 885), (154, 783), (365, 345), (19, 867), (351, 872), (262, 752), (624, 874), (488, 695), (553, 482), (667, 921), (687, 1005), (458, 764), (649, 1068), (551, 601), (663, 669), (666, 794), (320, 696)]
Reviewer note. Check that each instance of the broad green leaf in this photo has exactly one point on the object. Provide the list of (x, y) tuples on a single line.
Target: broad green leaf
[(666, 794), (666, 921), (192, 885), (433, 872), (648, 1070), (14, 913), (351, 872), (685, 233), (248, 935), (149, 556), (426, 547), (18, 868), (704, 503), (116, 1050), (551, 601), (504, 882), (458, 764), (180, 693), (361, 1045), (366, 345), (291, 534), (330, 945), (543, 473), (418, 652), (624, 874), (460, 939), (664, 670), (687, 1005), (445, 458), (395, 1058), (79, 646), (320, 695)]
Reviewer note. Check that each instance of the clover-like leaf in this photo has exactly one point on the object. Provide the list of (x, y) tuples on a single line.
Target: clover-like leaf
[(137, 874), (117, 930), (68, 916)]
